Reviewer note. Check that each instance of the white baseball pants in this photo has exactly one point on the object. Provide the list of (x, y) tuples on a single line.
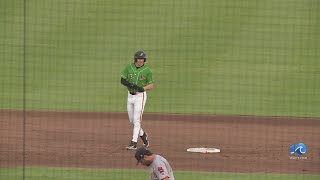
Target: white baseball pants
[(135, 108)]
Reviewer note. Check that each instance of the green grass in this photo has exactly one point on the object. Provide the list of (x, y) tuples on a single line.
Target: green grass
[(124, 174), (208, 57)]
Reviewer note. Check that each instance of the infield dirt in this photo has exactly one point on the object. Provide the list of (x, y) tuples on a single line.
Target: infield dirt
[(98, 140)]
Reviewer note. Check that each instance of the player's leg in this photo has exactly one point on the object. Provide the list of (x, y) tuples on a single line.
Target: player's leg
[(141, 132), (130, 109), (138, 111), (143, 135)]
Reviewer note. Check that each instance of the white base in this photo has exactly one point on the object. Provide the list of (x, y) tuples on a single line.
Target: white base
[(203, 150)]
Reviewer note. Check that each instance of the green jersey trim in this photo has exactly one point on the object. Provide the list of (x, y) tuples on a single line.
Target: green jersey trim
[(135, 70)]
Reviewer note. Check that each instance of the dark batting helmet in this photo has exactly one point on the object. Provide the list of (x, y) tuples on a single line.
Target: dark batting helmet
[(140, 55)]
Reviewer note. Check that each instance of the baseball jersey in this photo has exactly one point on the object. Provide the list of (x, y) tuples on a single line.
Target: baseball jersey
[(160, 168), (139, 76)]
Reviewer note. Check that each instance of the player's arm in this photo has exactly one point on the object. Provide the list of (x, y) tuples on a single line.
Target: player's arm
[(124, 76), (161, 171), (124, 80), (150, 82), (145, 88), (130, 85), (148, 87)]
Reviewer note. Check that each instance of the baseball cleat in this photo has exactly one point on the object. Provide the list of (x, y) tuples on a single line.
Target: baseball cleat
[(145, 140), (146, 144), (132, 145)]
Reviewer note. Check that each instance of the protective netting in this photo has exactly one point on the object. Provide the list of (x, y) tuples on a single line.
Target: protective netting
[(239, 75)]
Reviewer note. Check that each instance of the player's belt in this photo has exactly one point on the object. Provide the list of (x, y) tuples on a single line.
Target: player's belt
[(134, 93)]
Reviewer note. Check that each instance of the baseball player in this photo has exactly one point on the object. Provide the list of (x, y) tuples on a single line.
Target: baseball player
[(137, 77), (160, 168)]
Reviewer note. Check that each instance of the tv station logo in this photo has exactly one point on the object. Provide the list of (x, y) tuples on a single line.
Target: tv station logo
[(298, 149)]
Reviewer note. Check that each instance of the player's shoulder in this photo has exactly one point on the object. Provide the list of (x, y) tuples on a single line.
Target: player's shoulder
[(159, 159), (146, 67)]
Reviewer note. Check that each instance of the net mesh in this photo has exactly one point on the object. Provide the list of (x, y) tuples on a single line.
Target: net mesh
[(238, 75)]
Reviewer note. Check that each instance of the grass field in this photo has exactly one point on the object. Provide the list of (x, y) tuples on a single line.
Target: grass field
[(212, 57), (114, 174)]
